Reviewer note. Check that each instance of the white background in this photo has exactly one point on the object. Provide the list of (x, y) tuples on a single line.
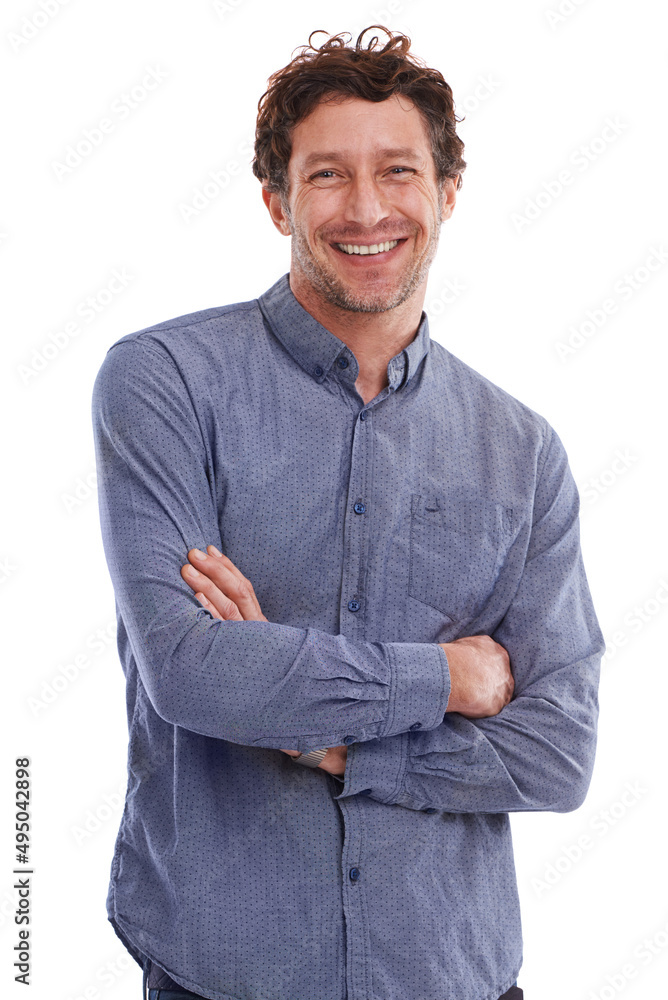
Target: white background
[(539, 90)]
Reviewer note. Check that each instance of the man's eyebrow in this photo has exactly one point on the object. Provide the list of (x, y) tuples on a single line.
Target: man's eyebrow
[(401, 152)]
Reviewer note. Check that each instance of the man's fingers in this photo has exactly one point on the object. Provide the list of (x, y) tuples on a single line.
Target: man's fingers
[(226, 578), (226, 561), (213, 611), (219, 602)]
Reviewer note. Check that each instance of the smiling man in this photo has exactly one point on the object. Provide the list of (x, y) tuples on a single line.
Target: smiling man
[(333, 544), (364, 219)]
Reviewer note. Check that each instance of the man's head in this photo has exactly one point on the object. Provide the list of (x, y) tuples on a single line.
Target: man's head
[(356, 147)]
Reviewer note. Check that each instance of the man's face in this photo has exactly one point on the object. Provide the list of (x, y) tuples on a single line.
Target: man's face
[(361, 174)]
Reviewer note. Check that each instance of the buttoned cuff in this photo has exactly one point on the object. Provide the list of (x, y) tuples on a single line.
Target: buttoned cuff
[(375, 768), (420, 687)]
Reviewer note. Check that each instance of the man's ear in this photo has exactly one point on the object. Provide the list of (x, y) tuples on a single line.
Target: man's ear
[(275, 206), (449, 197)]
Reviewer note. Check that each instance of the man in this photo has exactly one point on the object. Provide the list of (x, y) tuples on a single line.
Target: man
[(330, 540)]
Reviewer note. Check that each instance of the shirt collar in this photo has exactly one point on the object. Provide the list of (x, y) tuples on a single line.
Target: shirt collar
[(316, 349)]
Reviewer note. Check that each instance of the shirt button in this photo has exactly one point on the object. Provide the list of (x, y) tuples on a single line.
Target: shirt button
[(342, 362), (359, 508), (319, 371), (416, 725), (354, 874), (430, 810), (353, 605), (348, 739), (365, 791), (363, 415)]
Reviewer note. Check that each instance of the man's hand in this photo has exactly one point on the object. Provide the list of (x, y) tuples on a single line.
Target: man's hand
[(481, 681), (228, 595), (224, 591)]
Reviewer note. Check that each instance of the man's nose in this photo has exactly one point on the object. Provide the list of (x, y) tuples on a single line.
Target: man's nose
[(365, 203)]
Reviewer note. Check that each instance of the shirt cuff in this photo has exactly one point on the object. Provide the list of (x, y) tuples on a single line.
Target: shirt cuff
[(421, 693), (375, 768), (421, 687)]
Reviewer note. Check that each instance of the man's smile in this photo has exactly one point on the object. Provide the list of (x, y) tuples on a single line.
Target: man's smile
[(360, 253)]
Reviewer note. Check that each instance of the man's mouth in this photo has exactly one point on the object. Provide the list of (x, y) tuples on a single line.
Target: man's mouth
[(368, 248)]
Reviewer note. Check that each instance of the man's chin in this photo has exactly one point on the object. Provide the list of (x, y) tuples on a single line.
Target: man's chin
[(370, 304), (372, 292), (352, 296), (353, 300)]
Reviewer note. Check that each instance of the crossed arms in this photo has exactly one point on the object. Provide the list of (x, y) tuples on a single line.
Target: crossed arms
[(265, 684), (481, 682)]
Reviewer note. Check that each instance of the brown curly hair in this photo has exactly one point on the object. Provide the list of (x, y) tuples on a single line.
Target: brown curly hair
[(373, 74)]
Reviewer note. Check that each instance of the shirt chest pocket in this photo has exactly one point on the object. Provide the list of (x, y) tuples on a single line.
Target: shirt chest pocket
[(458, 545)]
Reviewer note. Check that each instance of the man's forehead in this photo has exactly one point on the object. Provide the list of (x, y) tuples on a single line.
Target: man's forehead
[(325, 133), (378, 152)]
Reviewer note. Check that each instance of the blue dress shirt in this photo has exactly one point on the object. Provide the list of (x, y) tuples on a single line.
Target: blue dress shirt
[(371, 533)]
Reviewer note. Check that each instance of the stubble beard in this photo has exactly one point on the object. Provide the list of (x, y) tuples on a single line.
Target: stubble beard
[(327, 282)]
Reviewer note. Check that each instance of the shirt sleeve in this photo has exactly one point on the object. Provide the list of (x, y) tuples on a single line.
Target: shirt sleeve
[(538, 752), (254, 683)]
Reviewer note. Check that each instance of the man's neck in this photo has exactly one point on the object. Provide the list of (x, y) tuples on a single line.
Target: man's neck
[(374, 338)]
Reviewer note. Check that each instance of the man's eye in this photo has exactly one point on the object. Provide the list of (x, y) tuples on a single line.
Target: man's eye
[(322, 173)]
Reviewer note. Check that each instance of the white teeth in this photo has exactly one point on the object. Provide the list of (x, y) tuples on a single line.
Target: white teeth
[(374, 248)]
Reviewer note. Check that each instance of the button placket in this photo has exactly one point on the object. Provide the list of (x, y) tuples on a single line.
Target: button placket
[(355, 542)]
